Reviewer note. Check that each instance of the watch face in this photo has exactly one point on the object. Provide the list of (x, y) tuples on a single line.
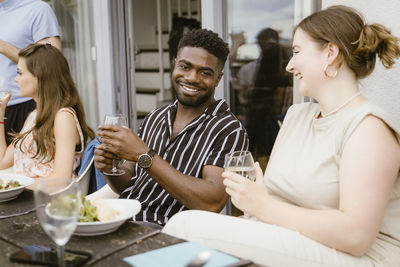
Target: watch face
[(144, 161)]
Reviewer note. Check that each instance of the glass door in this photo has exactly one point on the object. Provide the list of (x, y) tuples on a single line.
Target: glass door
[(260, 90)]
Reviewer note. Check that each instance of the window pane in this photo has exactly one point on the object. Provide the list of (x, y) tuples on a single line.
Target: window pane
[(75, 18), (260, 88)]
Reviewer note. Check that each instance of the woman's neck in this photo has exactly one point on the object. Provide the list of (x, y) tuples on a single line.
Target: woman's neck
[(338, 94)]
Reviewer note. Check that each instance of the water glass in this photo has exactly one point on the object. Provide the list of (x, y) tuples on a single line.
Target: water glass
[(240, 162)]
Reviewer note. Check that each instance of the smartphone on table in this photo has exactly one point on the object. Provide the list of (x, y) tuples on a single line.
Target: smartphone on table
[(43, 255)]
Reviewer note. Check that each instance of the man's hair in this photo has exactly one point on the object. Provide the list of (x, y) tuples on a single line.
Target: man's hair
[(208, 40)]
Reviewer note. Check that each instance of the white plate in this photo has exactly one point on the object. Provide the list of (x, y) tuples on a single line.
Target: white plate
[(127, 208), (9, 194)]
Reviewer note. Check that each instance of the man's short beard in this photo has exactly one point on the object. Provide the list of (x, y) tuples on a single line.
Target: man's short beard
[(197, 102)]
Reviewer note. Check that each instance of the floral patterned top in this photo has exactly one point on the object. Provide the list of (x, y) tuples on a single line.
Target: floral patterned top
[(25, 164)]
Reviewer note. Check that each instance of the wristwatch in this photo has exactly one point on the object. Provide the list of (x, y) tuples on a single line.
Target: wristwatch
[(145, 160)]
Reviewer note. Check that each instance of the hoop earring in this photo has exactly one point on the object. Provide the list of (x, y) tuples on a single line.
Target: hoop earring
[(326, 73)]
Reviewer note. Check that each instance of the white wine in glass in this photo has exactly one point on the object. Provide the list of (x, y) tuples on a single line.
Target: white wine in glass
[(4, 94), (240, 162), (58, 207), (120, 120), (3, 91)]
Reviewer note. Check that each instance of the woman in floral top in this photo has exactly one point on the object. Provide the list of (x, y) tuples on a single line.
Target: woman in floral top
[(53, 137)]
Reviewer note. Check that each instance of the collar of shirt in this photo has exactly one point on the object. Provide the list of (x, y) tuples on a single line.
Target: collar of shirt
[(218, 107), (214, 109)]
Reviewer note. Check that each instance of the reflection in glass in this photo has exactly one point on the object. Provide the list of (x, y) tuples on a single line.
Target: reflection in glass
[(260, 89)]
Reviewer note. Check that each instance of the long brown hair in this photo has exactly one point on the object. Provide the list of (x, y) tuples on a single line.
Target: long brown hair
[(359, 43), (56, 90)]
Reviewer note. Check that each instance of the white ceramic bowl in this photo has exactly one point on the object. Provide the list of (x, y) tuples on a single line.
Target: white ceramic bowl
[(9, 194), (127, 208)]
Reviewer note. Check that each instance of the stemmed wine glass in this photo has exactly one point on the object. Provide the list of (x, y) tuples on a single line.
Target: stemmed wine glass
[(121, 120), (240, 162), (58, 206)]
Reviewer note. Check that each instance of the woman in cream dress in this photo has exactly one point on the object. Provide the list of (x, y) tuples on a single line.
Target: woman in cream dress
[(330, 195)]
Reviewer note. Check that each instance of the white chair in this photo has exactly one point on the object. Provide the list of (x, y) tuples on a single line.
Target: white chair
[(84, 179)]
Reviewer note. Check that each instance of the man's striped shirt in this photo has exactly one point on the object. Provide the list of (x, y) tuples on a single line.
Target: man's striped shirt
[(204, 141)]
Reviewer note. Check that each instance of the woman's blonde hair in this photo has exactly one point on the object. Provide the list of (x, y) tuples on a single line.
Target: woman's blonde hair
[(56, 90), (359, 43)]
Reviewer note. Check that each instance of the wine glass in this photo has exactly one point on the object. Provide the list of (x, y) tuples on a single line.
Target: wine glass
[(3, 94), (58, 207), (240, 162), (121, 120), (3, 91)]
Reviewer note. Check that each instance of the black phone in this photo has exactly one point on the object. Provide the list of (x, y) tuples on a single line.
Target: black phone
[(42, 255)]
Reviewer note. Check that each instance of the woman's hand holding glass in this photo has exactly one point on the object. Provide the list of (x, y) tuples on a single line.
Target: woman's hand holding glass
[(58, 205), (246, 194), (4, 98)]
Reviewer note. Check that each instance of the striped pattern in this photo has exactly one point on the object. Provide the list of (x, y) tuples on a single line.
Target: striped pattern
[(204, 141)]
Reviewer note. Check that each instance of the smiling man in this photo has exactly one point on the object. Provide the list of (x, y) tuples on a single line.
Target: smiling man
[(176, 160)]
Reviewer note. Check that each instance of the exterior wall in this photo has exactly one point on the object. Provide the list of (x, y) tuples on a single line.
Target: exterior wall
[(382, 86)]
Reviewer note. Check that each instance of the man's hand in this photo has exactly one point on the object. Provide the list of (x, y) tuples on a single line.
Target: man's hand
[(122, 142), (103, 158)]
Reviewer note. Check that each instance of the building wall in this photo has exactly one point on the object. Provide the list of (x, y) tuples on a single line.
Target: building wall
[(382, 86)]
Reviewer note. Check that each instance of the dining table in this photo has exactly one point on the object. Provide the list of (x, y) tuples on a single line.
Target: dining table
[(106, 250)]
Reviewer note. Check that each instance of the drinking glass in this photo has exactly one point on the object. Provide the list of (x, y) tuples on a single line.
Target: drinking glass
[(240, 162), (121, 120), (57, 207), (4, 94)]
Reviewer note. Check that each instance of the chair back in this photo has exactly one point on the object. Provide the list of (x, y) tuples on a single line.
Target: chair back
[(84, 179)]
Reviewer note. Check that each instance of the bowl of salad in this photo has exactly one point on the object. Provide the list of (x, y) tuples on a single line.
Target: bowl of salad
[(103, 216), (11, 185)]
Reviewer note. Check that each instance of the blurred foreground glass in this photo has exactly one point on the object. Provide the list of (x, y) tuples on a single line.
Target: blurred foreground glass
[(240, 162), (58, 206), (120, 120)]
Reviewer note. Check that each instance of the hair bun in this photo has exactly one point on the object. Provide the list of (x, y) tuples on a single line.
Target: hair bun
[(376, 39)]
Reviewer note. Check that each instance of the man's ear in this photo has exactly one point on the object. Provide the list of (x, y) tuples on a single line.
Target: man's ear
[(219, 78)]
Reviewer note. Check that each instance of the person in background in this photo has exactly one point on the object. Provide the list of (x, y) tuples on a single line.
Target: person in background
[(176, 160), (262, 86), (331, 191), (22, 23), (53, 137)]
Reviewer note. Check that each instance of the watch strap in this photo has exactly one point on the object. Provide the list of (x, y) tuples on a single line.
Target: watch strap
[(151, 153)]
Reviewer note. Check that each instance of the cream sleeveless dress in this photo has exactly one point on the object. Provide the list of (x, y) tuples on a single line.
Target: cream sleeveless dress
[(303, 170), (24, 164)]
